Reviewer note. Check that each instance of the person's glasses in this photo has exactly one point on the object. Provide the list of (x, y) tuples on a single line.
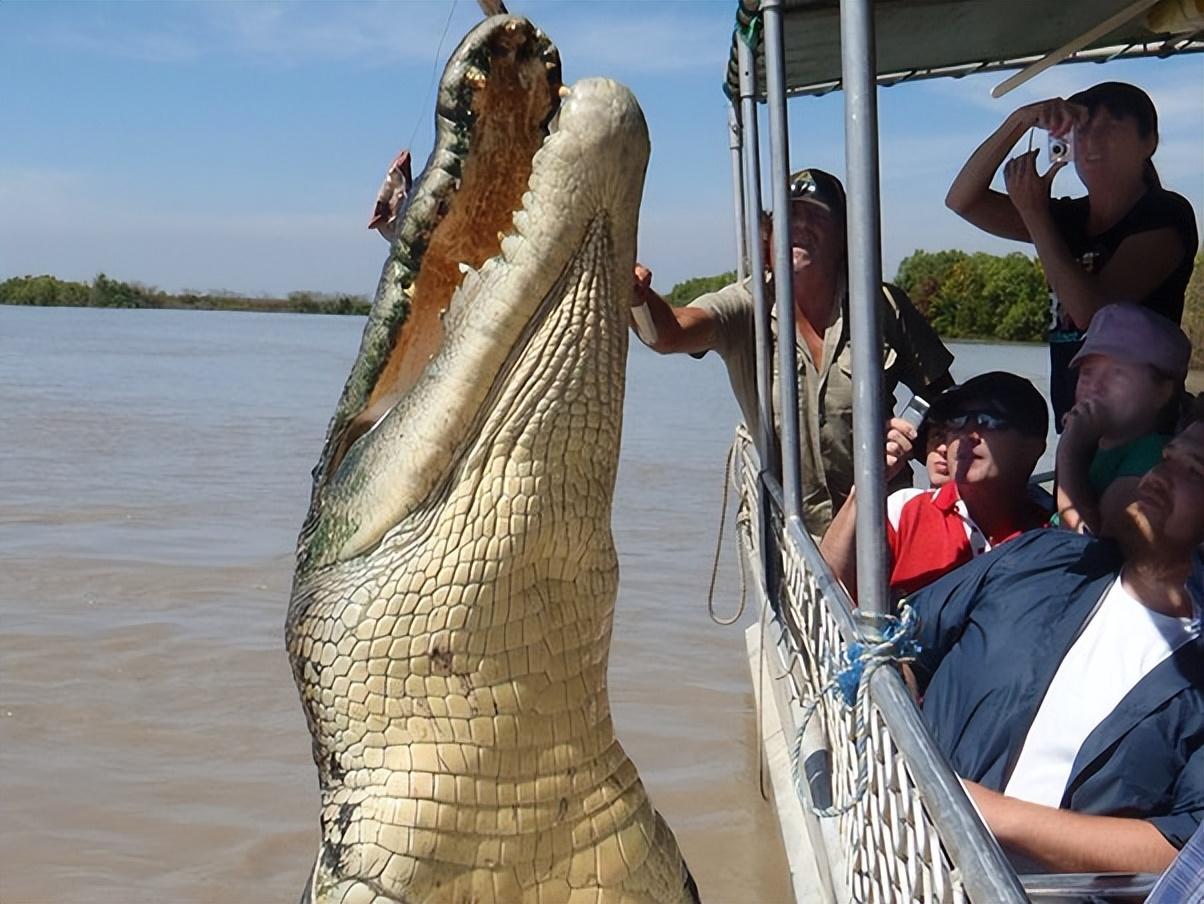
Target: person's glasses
[(978, 419)]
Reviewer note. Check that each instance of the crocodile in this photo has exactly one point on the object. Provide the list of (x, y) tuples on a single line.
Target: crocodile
[(450, 618)]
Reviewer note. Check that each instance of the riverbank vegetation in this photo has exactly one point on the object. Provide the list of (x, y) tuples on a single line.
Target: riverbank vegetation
[(981, 296), (964, 296), (103, 292)]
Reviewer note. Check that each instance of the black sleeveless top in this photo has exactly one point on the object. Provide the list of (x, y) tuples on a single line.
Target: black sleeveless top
[(1156, 209)]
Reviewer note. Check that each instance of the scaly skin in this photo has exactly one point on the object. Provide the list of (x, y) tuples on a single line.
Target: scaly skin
[(451, 613)]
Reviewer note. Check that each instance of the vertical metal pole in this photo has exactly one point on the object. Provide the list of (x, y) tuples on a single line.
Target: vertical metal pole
[(734, 144), (767, 440), (858, 70), (756, 261), (783, 283)]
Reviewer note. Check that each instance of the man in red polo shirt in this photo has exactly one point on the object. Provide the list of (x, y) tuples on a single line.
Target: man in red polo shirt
[(994, 426)]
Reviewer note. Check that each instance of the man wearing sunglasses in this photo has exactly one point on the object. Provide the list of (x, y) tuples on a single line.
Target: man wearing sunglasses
[(912, 353), (993, 429)]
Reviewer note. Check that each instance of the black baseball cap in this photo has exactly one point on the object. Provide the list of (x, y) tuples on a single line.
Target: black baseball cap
[(1121, 100), (1011, 398), (817, 187)]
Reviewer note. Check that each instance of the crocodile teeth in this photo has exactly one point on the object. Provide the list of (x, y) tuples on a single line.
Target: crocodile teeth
[(510, 245), (471, 279)]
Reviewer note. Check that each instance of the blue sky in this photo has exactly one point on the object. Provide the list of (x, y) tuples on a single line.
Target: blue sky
[(239, 146)]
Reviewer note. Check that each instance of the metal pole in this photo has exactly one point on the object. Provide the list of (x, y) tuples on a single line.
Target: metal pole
[(767, 440), (858, 65), (734, 144), (783, 284), (756, 260)]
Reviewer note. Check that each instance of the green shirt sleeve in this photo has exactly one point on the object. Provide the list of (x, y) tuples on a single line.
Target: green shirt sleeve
[(1130, 460)]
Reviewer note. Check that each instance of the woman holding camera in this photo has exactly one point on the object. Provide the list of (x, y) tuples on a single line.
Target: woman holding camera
[(1128, 240)]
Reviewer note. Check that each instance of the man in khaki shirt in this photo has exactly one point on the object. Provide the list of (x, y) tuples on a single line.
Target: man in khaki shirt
[(912, 353)]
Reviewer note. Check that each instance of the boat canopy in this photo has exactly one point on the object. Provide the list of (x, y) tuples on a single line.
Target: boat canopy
[(941, 38)]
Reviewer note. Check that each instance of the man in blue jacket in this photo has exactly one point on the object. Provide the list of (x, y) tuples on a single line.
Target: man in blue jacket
[(1064, 678)]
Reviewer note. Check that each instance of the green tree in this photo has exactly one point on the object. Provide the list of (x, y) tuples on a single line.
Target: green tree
[(685, 292), (45, 291), (921, 273), (978, 295), (112, 293)]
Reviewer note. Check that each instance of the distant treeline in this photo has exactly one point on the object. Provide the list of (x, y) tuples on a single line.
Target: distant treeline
[(981, 296), (103, 292), (964, 296)]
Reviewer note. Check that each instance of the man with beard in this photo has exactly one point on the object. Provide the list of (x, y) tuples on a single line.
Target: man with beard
[(912, 352), (1063, 676)]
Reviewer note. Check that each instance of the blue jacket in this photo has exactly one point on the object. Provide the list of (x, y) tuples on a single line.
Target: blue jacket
[(993, 633)]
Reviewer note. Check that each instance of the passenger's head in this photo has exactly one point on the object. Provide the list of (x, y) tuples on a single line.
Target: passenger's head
[(1120, 134), (1132, 365), (1166, 521), (817, 222), (995, 426), (936, 454)]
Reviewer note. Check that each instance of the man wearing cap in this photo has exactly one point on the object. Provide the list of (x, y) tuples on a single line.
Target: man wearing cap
[(1063, 677), (912, 353), (1131, 369), (994, 428)]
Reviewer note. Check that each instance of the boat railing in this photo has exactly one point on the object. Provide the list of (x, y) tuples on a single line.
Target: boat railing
[(913, 835)]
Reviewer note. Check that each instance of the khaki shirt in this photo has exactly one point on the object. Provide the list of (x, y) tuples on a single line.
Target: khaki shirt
[(912, 354)]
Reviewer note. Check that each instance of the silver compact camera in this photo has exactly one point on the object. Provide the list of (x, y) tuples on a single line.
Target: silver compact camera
[(915, 411), (1061, 150)]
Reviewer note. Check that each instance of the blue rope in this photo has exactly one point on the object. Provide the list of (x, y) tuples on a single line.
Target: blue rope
[(860, 661)]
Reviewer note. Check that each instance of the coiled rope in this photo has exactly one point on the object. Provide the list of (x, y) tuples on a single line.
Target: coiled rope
[(851, 684), (742, 518)]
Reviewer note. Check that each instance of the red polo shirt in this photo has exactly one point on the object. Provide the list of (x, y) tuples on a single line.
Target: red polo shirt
[(930, 532)]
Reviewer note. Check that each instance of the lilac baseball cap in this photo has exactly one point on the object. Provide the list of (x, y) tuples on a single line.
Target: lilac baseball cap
[(1137, 335)]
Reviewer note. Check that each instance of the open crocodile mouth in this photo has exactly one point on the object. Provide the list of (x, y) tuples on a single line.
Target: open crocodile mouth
[(520, 174), (493, 112)]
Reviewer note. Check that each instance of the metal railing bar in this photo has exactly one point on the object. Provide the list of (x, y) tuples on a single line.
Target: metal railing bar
[(858, 59), (774, 487), (985, 870), (735, 142), (783, 282), (1062, 885), (750, 150)]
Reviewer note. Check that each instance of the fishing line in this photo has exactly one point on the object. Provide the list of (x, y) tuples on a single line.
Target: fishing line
[(434, 73)]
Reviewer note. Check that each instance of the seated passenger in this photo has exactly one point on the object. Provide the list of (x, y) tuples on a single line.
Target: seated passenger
[(912, 352), (936, 453), (1063, 677), (994, 426), (1130, 382)]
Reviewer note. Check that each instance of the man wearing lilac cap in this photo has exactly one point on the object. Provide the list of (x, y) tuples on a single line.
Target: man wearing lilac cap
[(1129, 392)]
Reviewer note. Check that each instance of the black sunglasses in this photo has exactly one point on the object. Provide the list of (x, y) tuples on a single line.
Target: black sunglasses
[(979, 419)]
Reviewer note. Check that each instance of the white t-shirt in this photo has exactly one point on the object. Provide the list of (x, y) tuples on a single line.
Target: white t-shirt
[(1121, 644)]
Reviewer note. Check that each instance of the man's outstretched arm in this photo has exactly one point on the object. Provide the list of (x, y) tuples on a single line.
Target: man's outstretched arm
[(1071, 842), (671, 329)]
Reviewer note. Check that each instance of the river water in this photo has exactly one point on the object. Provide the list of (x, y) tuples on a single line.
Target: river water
[(154, 470)]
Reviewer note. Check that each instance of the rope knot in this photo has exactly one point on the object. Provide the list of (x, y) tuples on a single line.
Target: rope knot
[(897, 645), (859, 661)]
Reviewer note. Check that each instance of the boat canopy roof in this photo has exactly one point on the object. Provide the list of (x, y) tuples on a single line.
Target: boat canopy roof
[(933, 38)]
